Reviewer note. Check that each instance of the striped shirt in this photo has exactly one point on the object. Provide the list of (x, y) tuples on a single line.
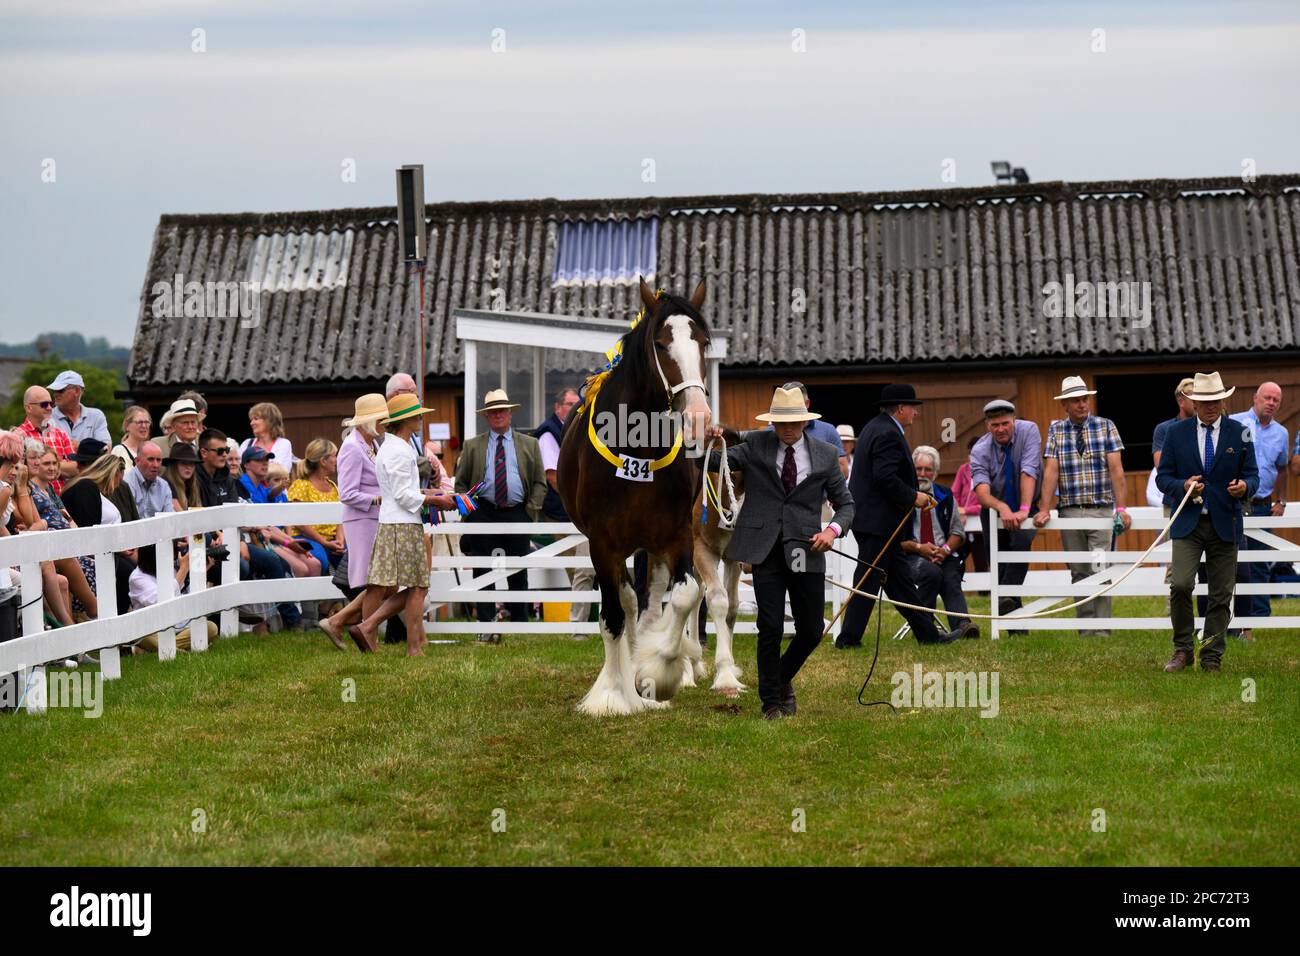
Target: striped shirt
[(1084, 478)]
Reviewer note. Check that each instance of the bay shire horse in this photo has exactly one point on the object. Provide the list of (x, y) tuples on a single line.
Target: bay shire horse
[(633, 490)]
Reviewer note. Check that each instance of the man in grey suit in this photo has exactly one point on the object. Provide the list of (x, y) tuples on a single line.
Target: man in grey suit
[(788, 474)]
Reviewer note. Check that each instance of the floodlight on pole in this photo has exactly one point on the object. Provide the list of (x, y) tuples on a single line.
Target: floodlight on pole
[(1001, 170)]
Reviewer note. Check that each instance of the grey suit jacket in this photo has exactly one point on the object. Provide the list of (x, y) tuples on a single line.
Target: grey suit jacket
[(770, 515)]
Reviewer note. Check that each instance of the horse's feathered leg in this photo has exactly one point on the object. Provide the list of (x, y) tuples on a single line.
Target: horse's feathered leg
[(615, 691), (724, 598)]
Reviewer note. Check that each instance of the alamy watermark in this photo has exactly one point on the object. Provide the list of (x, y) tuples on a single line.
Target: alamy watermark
[(1098, 300), (71, 690), (177, 299), (922, 688)]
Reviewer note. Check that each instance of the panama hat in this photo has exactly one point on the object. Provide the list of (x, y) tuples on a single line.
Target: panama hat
[(402, 407), (787, 406), (182, 406), (367, 410), (1208, 387), (495, 401), (898, 395), (845, 432), (1073, 386)]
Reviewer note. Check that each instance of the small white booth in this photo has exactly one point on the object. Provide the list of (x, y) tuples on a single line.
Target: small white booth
[(532, 355)]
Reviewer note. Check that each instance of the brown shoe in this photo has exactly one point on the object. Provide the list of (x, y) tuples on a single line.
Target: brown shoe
[(1180, 660)]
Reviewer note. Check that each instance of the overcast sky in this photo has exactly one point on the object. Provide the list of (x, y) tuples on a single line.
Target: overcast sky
[(138, 124)]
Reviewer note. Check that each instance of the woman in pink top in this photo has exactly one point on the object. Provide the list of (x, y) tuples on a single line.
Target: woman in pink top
[(963, 492), (359, 493)]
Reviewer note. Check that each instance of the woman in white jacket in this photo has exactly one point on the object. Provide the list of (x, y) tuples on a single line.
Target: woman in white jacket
[(399, 564)]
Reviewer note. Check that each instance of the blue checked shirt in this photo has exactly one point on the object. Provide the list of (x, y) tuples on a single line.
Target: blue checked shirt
[(1270, 449), (1084, 479)]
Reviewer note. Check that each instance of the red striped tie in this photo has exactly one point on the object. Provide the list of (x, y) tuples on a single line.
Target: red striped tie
[(499, 489)]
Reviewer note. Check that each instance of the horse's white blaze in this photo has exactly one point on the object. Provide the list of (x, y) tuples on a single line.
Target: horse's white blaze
[(689, 356)]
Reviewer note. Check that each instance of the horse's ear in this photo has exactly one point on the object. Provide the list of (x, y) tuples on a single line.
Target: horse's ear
[(697, 297), (648, 298)]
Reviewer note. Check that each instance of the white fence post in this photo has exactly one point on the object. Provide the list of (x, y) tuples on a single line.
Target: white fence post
[(230, 575), (33, 611), (166, 578), (992, 537), (110, 664)]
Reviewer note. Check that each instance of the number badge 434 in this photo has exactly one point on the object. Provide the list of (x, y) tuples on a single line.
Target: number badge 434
[(636, 469)]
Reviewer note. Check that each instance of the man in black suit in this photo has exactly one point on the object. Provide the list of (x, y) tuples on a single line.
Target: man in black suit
[(884, 488)]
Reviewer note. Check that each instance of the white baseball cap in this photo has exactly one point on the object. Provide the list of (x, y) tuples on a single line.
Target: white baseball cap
[(64, 379)]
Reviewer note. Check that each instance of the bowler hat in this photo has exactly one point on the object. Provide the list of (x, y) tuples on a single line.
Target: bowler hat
[(902, 394)]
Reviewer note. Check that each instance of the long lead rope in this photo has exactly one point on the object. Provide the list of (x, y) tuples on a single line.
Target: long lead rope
[(1019, 617)]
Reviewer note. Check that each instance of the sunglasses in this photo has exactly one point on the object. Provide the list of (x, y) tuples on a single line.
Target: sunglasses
[(42, 404), (217, 451)]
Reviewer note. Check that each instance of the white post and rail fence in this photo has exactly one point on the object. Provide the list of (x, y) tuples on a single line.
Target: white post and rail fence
[(452, 581)]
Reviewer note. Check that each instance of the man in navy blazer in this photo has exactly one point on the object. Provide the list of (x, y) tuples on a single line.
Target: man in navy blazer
[(1209, 453), (885, 491)]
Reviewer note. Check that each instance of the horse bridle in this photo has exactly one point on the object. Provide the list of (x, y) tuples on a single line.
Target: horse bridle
[(673, 390)]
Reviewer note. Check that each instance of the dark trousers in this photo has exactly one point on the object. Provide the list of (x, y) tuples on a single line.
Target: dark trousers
[(1221, 568), (264, 564), (773, 580), (935, 581), (488, 545), (898, 585), (1253, 572), (1013, 574)]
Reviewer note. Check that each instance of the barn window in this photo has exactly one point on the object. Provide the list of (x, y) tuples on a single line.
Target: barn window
[(605, 251)]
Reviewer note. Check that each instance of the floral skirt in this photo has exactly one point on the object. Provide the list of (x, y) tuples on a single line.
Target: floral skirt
[(87, 563), (398, 558)]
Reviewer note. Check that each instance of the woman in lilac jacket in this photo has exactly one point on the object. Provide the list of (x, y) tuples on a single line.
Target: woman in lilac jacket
[(359, 493)]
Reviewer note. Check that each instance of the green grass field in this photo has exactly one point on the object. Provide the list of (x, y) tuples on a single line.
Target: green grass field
[(256, 735)]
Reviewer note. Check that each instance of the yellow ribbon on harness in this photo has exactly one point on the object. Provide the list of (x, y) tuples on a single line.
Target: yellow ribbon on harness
[(614, 356)]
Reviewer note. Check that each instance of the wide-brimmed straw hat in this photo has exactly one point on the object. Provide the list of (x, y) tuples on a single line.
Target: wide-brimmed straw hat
[(1208, 387), (402, 407), (787, 406), (495, 401), (1073, 386), (367, 410)]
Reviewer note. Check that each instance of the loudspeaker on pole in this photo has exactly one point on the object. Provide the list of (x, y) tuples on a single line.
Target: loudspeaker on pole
[(410, 213)]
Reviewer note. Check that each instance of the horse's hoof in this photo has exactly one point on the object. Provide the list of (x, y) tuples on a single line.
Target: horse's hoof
[(729, 691)]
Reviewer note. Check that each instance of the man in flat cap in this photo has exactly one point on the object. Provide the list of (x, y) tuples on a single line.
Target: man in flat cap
[(1005, 466)]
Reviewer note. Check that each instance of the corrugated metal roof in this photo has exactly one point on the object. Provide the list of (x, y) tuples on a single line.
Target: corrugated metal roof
[(860, 278)]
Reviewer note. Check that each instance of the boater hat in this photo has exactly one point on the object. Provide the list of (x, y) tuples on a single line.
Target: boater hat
[(367, 410), (1073, 386), (787, 406), (1208, 387), (495, 401), (402, 407)]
